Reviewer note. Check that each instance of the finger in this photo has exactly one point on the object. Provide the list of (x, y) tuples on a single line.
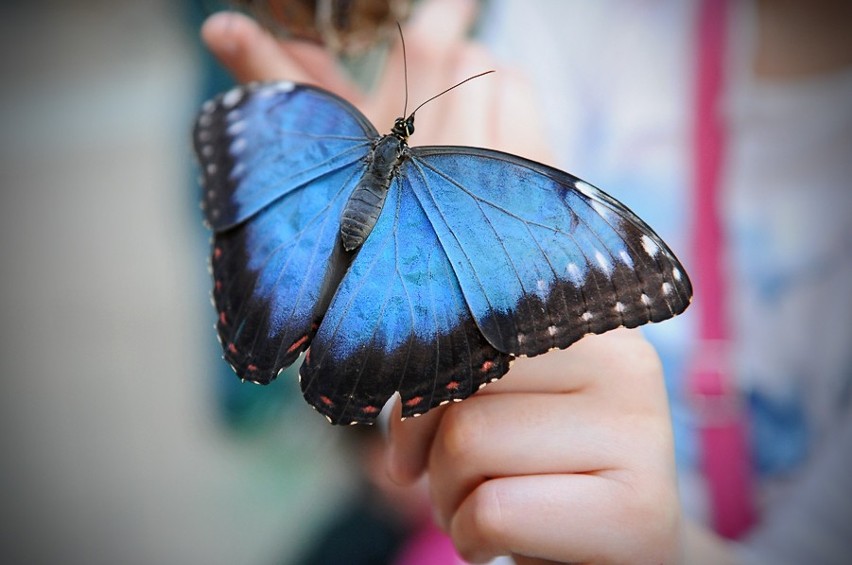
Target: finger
[(517, 121), (467, 115), (570, 370), (567, 518), (248, 51), (432, 35), (322, 68), (408, 444), (596, 361), (440, 23), (478, 441)]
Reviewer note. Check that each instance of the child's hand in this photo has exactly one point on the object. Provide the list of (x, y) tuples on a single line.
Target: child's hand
[(498, 111), (569, 458)]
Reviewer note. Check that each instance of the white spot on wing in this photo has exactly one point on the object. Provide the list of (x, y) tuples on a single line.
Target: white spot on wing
[(237, 127), (208, 107), (238, 145), (602, 261), (626, 258), (619, 307), (677, 274), (587, 316), (541, 285), (237, 171), (551, 330), (649, 246), (273, 89), (602, 210), (575, 273), (232, 97), (212, 169), (667, 288), (585, 188), (646, 300)]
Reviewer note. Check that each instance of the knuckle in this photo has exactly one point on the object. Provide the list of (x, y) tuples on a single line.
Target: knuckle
[(487, 510), (484, 529), (460, 434)]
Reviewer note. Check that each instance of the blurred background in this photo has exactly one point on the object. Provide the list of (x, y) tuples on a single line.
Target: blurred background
[(116, 447), (125, 440)]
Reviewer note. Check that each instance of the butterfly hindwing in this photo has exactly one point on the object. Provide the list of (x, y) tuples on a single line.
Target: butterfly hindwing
[(398, 322), (542, 258), (274, 275)]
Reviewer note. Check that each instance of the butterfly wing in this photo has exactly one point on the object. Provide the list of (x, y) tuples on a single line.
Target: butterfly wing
[(398, 322), (256, 143), (542, 257), (279, 161)]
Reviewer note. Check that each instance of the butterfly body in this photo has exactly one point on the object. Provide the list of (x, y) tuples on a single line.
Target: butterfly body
[(418, 270), (364, 206)]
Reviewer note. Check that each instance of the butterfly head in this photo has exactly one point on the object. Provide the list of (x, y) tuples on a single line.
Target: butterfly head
[(403, 127)]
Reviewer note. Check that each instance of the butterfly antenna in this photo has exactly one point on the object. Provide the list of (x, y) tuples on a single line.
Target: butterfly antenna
[(404, 68), (449, 89)]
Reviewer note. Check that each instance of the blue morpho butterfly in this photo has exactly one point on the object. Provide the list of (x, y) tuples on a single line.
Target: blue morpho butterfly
[(423, 270)]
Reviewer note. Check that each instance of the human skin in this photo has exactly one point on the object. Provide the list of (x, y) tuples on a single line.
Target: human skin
[(570, 456)]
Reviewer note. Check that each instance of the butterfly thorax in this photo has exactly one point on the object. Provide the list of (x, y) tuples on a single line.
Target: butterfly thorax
[(365, 204)]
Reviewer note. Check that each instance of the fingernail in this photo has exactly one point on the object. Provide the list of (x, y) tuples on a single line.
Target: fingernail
[(219, 33)]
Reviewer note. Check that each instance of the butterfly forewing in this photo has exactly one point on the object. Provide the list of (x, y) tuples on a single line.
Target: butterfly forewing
[(256, 143), (542, 257)]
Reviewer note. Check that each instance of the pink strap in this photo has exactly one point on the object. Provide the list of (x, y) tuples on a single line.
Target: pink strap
[(428, 546), (722, 429)]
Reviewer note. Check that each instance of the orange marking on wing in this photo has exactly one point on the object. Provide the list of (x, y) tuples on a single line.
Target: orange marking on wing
[(298, 343), (326, 400), (414, 401), (487, 366)]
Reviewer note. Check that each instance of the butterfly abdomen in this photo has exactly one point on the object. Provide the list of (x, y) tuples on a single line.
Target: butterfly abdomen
[(365, 204)]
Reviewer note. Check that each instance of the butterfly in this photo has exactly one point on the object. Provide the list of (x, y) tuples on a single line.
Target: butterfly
[(418, 270)]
